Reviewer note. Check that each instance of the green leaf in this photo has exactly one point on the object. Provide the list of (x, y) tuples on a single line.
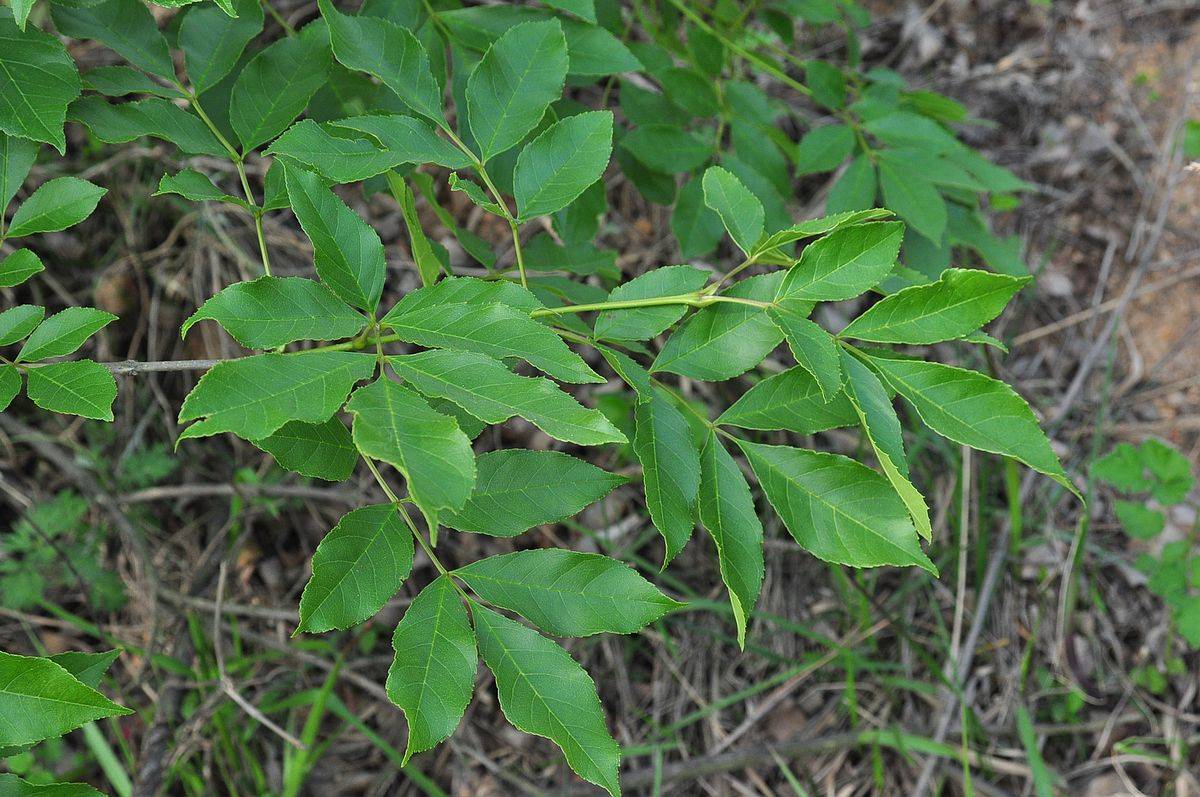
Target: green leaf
[(666, 148), (489, 391), (855, 189), (12, 786), (1123, 468), (390, 53), (974, 410), (87, 668), (126, 26), (827, 82), (433, 674), (814, 349), (544, 691), (429, 266), (845, 263), (276, 85), (16, 159), (514, 83), (355, 570), (338, 159), (724, 340), (10, 385), (37, 82), (567, 593), (21, 9), (18, 267), (837, 509), (318, 450), (959, 303), (212, 41), (64, 332), (878, 419), (557, 166), (580, 8), (348, 253), (670, 469), (121, 81), (408, 139), (1171, 470), (764, 252), (191, 184), (689, 90), (157, 117), (697, 228), (727, 512), (252, 397), (791, 400), (823, 149), (475, 194), (79, 387), (740, 210), (496, 330), (273, 311), (643, 323), (913, 198), (17, 322), (56, 205), (516, 490), (40, 700), (395, 425), (1139, 521)]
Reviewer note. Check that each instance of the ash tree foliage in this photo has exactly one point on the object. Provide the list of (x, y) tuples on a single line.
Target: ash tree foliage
[(531, 111)]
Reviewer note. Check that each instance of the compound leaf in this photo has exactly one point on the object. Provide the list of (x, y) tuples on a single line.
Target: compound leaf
[(724, 340), (814, 349), (544, 691), (38, 80), (845, 263), (391, 53), (348, 254), (727, 513), (489, 391), (670, 469), (497, 330), (79, 387), (740, 211), (17, 322), (318, 450), (974, 410), (40, 700), (272, 311), (516, 490), (643, 323), (568, 593), (18, 267), (960, 302), (395, 425), (212, 41), (790, 400), (433, 673), (276, 85), (126, 26), (837, 509), (63, 333), (514, 83), (56, 205), (878, 419), (252, 397), (557, 166), (355, 570)]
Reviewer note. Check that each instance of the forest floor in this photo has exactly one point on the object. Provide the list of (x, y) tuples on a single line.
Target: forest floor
[(844, 687)]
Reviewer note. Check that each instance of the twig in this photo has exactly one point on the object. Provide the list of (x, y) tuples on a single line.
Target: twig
[(227, 684)]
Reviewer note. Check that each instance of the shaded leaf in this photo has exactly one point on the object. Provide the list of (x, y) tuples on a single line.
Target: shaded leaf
[(791, 400), (557, 166), (670, 469), (318, 450)]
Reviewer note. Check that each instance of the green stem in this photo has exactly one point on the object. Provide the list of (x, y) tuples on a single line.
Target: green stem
[(399, 504), (758, 61), (275, 15), (239, 164), (516, 237)]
